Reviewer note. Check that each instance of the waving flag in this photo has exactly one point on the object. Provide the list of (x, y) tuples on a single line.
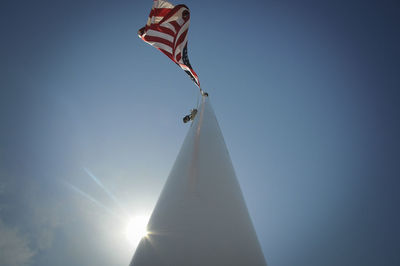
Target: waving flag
[(166, 30)]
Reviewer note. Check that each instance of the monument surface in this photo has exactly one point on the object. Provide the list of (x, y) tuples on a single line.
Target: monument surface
[(201, 217)]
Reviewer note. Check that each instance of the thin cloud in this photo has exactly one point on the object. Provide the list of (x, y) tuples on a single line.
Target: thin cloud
[(14, 247)]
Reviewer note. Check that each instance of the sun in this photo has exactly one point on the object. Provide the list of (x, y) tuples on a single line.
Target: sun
[(136, 229)]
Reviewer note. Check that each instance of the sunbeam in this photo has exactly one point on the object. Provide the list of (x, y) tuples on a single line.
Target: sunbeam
[(87, 196), (100, 184)]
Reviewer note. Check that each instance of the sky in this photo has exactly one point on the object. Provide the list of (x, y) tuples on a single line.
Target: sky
[(306, 94)]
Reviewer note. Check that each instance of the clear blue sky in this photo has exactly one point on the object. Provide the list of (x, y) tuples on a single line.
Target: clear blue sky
[(307, 97)]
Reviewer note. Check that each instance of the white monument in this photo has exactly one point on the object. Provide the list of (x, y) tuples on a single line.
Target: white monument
[(201, 217)]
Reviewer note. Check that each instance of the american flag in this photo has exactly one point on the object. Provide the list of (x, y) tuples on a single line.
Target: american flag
[(166, 30)]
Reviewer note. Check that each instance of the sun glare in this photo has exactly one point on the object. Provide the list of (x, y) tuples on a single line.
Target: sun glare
[(136, 229)]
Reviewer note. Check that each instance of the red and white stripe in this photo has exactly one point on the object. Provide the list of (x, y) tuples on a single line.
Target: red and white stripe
[(166, 29)]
